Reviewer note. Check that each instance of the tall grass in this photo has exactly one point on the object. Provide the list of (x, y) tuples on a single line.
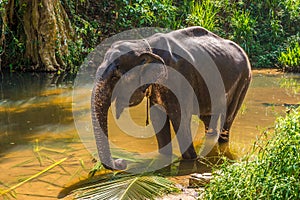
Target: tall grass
[(272, 173), (289, 60), (203, 13)]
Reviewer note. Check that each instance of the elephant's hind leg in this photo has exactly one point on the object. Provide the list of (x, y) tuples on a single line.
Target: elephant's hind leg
[(213, 124), (232, 111), (206, 121)]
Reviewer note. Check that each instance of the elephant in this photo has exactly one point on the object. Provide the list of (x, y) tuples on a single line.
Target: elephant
[(202, 59)]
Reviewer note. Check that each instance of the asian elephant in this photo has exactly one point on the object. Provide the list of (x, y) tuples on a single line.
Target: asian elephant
[(217, 70)]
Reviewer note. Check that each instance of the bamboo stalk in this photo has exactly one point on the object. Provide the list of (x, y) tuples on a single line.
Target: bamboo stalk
[(32, 177)]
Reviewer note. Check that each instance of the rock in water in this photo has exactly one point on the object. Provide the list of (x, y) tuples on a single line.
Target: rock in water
[(199, 180)]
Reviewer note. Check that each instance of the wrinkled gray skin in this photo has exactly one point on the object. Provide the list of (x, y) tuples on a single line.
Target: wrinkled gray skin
[(230, 59)]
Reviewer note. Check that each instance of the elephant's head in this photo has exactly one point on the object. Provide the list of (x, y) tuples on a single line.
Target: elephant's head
[(118, 68)]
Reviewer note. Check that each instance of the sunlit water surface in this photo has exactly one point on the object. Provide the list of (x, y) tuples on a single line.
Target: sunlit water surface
[(37, 128)]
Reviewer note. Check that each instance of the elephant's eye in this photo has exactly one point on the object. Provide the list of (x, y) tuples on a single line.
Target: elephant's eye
[(126, 76), (144, 60)]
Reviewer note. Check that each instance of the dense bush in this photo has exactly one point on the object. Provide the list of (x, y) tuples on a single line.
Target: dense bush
[(272, 173), (261, 28), (289, 60), (138, 13)]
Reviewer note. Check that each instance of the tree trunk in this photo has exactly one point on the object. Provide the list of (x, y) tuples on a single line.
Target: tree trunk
[(48, 29)]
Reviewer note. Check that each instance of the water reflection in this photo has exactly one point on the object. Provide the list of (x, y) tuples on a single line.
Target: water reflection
[(42, 104), (40, 107), (31, 104)]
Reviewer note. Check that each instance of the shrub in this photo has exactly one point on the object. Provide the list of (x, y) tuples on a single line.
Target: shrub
[(272, 173), (243, 26), (289, 60), (203, 14), (141, 13)]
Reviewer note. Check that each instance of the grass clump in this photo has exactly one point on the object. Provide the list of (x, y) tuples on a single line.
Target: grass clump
[(203, 14), (289, 60), (273, 172)]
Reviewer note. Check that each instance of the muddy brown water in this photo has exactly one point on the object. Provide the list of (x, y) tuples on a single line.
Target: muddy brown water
[(37, 128)]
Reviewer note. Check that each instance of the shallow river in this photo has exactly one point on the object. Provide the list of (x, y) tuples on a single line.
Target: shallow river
[(45, 118)]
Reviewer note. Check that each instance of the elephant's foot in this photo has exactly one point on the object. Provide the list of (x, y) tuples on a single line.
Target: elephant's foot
[(165, 152), (189, 154), (119, 164), (224, 136)]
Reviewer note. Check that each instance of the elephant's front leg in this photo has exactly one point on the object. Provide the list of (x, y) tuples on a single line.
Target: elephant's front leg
[(161, 125), (184, 136)]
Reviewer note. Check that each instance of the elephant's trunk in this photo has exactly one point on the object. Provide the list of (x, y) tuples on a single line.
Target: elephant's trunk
[(101, 101)]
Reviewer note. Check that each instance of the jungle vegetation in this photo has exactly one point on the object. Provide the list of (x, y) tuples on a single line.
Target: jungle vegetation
[(57, 35), (271, 171)]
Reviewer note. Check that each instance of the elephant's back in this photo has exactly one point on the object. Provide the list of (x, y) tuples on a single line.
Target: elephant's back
[(192, 41), (203, 58), (230, 59)]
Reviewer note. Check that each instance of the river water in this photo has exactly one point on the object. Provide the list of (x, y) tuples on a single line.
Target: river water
[(45, 118)]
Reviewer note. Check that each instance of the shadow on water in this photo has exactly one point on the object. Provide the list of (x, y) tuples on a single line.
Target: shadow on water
[(201, 165), (18, 86), (32, 103)]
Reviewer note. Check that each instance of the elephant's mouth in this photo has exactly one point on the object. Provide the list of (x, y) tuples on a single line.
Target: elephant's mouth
[(136, 99), (121, 104), (133, 104), (139, 95)]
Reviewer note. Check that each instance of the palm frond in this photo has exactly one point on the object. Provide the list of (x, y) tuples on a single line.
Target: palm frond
[(129, 187)]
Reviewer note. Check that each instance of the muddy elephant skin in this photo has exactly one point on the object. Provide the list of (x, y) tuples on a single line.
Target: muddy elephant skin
[(201, 57)]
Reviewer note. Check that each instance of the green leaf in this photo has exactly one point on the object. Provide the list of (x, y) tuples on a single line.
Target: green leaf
[(128, 187)]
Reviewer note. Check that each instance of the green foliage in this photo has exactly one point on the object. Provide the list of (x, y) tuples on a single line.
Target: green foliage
[(243, 28), (274, 25), (141, 13), (87, 35), (260, 27), (128, 187), (203, 14), (272, 173), (13, 49), (11, 39), (289, 60)]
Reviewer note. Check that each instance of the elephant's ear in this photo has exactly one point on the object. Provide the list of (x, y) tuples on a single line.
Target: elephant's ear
[(156, 70)]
